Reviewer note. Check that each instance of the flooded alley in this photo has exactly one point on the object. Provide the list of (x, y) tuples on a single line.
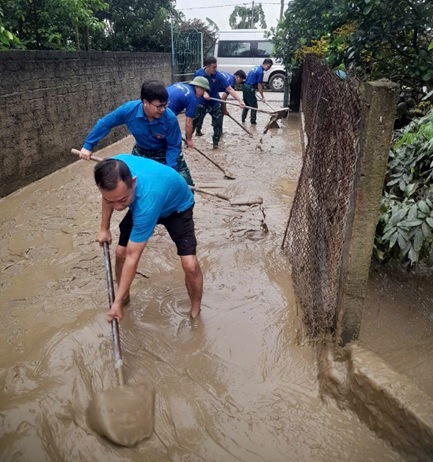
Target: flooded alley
[(239, 383)]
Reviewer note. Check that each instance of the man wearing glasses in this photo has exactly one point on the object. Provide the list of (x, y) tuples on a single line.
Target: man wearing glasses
[(155, 128)]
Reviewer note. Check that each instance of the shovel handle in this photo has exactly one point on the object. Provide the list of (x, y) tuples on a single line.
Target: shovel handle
[(246, 107), (118, 362), (240, 125), (94, 158)]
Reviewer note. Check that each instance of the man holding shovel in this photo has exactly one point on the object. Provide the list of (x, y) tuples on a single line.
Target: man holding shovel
[(155, 194), (232, 80), (254, 81), (185, 96), (216, 81), (155, 129)]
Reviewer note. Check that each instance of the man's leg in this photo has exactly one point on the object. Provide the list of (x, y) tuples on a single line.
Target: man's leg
[(250, 99), (217, 123), (125, 228), (197, 122), (183, 169), (193, 282)]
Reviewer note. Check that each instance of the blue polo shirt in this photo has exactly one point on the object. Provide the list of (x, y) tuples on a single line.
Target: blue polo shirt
[(162, 133), (230, 80), (255, 76), (216, 81), (159, 192), (182, 96)]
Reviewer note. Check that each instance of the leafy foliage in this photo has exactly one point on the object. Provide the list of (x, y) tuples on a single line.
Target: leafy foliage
[(405, 226), (246, 17), (391, 39), (52, 24), (136, 25)]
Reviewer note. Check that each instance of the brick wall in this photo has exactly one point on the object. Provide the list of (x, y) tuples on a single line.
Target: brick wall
[(50, 100)]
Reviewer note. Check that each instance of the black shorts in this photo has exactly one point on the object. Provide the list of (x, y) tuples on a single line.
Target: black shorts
[(180, 226)]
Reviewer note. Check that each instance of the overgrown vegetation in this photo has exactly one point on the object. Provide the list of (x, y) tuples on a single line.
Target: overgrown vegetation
[(372, 39), (111, 25), (405, 226)]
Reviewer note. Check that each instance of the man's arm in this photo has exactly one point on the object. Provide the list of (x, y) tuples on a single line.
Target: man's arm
[(133, 254), (188, 132), (101, 129), (260, 90), (230, 90), (174, 143), (104, 233)]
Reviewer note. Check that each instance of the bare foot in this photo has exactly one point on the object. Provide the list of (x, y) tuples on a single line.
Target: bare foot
[(194, 313)]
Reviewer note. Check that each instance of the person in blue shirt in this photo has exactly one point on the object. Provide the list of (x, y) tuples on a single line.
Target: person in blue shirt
[(216, 81), (254, 82), (184, 96), (232, 80), (155, 128), (155, 194)]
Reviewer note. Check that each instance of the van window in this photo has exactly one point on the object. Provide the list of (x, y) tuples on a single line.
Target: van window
[(264, 49), (245, 49), (234, 48)]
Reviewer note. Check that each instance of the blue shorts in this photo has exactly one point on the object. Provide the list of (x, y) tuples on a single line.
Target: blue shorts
[(180, 227)]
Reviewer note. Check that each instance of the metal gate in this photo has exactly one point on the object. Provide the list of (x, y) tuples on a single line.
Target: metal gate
[(186, 54)]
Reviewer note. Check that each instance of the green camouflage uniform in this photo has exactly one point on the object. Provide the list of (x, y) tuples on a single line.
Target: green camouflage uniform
[(250, 99), (216, 112), (159, 156)]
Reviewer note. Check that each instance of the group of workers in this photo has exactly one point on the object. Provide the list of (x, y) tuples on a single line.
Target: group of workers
[(160, 192)]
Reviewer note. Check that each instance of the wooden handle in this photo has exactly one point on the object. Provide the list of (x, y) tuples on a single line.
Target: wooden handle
[(117, 351), (92, 157)]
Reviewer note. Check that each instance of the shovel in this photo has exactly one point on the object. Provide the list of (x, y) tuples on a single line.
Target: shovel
[(249, 200), (227, 175), (246, 107), (124, 415), (240, 125)]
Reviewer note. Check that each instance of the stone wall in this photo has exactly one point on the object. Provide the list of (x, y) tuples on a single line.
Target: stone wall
[(50, 100)]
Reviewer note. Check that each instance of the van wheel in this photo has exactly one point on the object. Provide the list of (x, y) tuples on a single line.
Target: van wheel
[(276, 82)]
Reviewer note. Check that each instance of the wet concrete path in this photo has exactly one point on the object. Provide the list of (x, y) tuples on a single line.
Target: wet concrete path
[(237, 384)]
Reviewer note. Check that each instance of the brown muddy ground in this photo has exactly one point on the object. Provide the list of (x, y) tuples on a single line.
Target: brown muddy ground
[(236, 384)]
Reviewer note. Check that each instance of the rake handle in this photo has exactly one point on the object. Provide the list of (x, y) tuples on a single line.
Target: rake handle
[(118, 362)]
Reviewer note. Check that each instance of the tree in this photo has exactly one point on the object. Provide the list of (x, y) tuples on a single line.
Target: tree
[(50, 24), (245, 17), (136, 25), (372, 38)]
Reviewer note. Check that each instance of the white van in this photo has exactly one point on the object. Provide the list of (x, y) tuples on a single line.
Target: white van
[(245, 48)]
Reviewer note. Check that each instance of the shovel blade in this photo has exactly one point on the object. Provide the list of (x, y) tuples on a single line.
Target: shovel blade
[(246, 200), (124, 415)]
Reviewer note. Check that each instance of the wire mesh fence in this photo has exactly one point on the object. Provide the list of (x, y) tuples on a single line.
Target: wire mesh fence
[(323, 201)]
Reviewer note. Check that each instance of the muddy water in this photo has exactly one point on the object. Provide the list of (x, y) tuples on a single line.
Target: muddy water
[(237, 384)]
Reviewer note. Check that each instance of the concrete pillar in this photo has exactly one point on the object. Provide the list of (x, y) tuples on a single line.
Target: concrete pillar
[(379, 102)]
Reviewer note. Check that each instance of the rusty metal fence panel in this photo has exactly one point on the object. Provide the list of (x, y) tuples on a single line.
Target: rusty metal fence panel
[(323, 201)]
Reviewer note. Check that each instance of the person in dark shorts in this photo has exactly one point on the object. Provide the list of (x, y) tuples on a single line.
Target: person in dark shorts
[(155, 194), (155, 128)]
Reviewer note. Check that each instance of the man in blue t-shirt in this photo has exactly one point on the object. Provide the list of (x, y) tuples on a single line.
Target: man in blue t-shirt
[(216, 81), (155, 128), (254, 82), (184, 96), (155, 194)]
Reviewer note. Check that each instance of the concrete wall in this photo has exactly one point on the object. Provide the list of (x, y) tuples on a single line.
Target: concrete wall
[(50, 100)]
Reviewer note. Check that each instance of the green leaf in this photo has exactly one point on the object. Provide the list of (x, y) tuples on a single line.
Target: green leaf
[(413, 255), (424, 207), (410, 223), (430, 222), (418, 240)]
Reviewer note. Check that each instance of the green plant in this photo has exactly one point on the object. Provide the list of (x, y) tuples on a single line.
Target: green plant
[(405, 226)]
